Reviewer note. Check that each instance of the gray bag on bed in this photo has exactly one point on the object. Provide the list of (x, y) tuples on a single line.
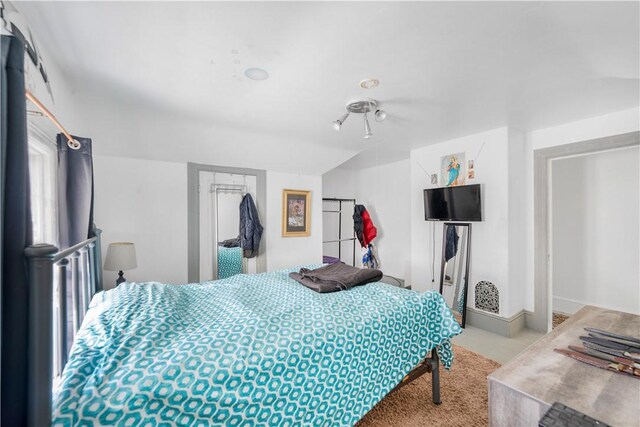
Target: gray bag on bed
[(335, 277)]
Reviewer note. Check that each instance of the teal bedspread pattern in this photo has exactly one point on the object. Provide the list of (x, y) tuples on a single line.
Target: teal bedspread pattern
[(229, 261), (247, 350)]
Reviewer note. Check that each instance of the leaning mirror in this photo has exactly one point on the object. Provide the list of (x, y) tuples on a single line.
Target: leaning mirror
[(454, 270)]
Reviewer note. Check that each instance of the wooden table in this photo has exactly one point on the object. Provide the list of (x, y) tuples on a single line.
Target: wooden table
[(521, 391)]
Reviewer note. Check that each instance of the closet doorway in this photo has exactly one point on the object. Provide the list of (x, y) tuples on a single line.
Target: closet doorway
[(551, 239), (215, 194)]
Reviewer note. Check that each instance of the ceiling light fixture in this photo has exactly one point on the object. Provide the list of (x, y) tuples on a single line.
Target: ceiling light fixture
[(367, 129), (255, 73), (338, 123), (362, 106)]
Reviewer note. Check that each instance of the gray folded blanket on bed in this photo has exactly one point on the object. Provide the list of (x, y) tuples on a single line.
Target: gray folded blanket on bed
[(335, 277)]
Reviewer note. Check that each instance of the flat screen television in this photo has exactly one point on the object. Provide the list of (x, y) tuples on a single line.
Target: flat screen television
[(461, 203)]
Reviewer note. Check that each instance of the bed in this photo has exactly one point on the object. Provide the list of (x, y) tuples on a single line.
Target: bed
[(229, 261), (255, 348)]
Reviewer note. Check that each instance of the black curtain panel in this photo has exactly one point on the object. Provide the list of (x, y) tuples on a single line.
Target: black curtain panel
[(75, 203), (75, 191), (16, 235)]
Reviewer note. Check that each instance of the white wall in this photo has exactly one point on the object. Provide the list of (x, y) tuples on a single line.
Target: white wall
[(144, 202), (517, 182), (285, 252), (490, 238), (340, 184), (385, 192), (597, 127), (496, 168), (596, 233)]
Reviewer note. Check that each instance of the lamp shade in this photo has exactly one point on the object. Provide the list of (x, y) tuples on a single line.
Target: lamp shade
[(121, 256)]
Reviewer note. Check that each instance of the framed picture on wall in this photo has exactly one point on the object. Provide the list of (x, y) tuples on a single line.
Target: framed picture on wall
[(296, 213), (453, 169)]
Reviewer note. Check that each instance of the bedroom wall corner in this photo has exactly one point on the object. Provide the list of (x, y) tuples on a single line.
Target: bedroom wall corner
[(517, 193), (490, 238), (144, 202), (286, 252), (385, 191)]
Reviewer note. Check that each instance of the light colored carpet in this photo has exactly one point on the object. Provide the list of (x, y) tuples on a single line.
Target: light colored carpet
[(463, 391)]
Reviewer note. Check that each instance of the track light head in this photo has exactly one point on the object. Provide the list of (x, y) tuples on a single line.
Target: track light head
[(338, 123), (380, 115), (367, 129)]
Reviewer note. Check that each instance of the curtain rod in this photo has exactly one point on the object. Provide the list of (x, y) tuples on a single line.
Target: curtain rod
[(72, 143)]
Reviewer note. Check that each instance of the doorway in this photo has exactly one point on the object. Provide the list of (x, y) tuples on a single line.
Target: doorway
[(545, 161), (215, 194)]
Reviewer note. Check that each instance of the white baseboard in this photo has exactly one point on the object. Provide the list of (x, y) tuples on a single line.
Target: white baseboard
[(505, 326), (566, 305)]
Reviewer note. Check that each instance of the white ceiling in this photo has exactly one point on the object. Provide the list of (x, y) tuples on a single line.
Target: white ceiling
[(446, 70)]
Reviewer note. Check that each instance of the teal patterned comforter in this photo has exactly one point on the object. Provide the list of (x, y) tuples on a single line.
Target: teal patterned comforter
[(229, 261), (248, 350)]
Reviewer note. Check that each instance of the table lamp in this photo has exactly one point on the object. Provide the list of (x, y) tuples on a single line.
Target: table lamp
[(120, 256)]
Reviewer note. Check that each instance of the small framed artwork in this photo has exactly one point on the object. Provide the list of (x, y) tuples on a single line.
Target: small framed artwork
[(453, 169), (296, 213)]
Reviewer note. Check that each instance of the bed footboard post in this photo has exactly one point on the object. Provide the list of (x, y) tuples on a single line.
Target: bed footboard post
[(40, 259), (97, 261), (63, 333), (85, 280), (435, 377), (75, 292)]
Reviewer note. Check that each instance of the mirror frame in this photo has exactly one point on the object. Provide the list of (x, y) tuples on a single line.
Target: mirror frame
[(466, 274)]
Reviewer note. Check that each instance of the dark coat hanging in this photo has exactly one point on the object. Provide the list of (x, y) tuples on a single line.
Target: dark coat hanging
[(250, 227), (451, 243)]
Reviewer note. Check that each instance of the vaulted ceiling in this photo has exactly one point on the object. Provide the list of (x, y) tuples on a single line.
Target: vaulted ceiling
[(165, 80)]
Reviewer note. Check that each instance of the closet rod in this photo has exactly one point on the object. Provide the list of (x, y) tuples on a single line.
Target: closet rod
[(70, 141)]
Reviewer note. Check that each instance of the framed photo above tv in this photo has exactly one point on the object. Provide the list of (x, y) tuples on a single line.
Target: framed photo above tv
[(296, 213)]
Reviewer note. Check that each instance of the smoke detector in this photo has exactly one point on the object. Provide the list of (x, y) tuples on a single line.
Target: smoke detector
[(369, 83)]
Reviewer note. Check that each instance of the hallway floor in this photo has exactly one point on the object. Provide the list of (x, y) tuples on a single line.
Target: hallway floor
[(493, 346)]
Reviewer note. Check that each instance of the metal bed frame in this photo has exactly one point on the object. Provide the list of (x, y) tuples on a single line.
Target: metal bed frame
[(80, 267), (431, 365), (339, 240)]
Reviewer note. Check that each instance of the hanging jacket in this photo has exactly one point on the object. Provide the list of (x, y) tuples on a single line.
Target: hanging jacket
[(451, 242), (250, 227), (363, 226)]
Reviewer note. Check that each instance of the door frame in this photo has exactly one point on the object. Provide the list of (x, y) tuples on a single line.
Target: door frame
[(542, 158), (193, 213)]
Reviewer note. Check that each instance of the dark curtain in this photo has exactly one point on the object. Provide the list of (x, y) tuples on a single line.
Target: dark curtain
[(16, 235), (75, 191), (75, 203)]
